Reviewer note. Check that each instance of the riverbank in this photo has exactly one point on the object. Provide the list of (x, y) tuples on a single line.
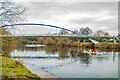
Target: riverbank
[(14, 69), (72, 42), (108, 45), (87, 45)]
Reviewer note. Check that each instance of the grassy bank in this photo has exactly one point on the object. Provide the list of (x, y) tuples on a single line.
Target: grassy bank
[(71, 42), (14, 69), (108, 45), (86, 45), (62, 42)]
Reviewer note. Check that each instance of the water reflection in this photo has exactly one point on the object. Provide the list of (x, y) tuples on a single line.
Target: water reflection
[(63, 52), (71, 62)]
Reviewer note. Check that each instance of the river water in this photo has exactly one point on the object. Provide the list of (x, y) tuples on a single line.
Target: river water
[(70, 62)]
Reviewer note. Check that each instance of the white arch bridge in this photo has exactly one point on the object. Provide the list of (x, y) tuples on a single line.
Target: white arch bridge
[(77, 33)]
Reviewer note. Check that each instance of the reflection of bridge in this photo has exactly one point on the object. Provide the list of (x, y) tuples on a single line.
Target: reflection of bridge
[(77, 33)]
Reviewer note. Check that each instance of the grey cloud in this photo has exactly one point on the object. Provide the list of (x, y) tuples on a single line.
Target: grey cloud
[(47, 10)]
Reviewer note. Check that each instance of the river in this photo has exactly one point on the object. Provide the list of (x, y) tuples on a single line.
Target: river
[(69, 62)]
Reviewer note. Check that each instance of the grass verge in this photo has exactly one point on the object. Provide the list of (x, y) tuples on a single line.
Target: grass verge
[(14, 69)]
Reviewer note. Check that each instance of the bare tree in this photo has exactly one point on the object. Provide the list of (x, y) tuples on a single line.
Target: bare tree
[(86, 31), (106, 34), (101, 33), (63, 32), (11, 13)]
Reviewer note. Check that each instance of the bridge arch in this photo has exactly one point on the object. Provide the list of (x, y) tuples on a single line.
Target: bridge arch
[(48, 26)]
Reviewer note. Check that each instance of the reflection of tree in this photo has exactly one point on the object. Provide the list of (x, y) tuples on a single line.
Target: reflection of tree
[(50, 49), (83, 58), (105, 57), (63, 52), (101, 58), (114, 56), (72, 53)]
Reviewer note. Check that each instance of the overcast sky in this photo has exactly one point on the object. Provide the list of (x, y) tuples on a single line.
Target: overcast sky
[(72, 15)]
